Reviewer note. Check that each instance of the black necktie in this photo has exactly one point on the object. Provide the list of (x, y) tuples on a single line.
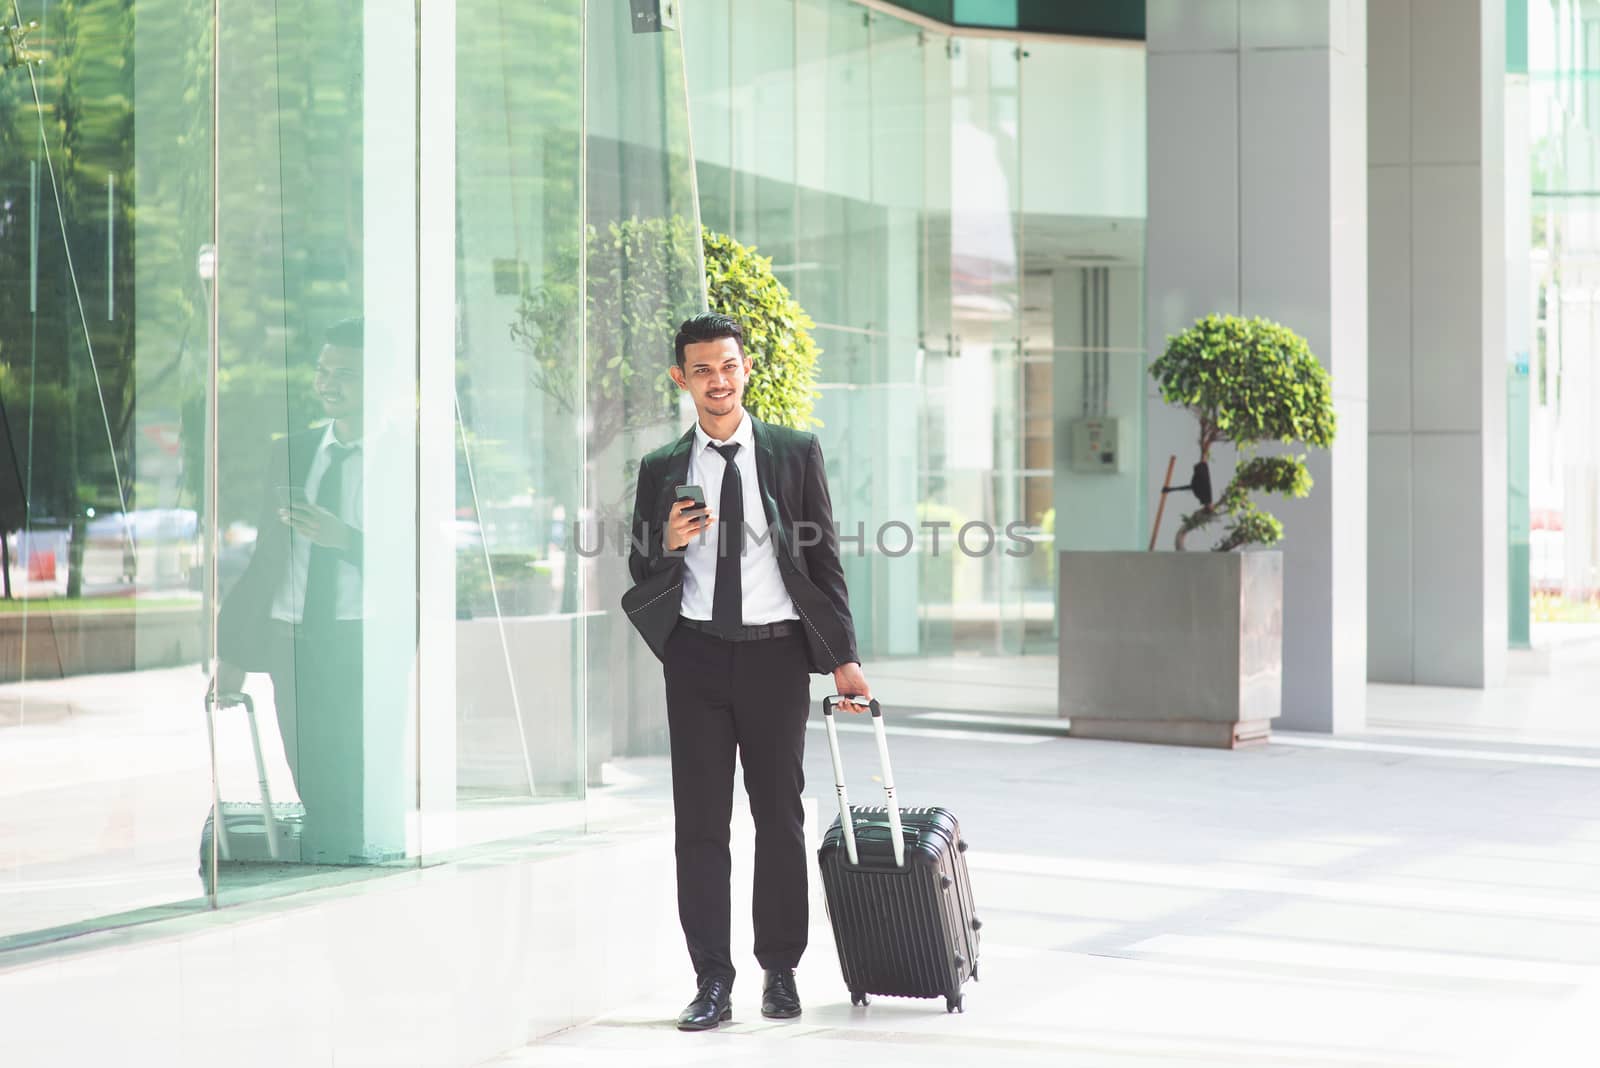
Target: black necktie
[(727, 597), (322, 574)]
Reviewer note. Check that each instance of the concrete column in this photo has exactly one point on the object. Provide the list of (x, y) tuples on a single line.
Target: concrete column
[(1257, 162), (434, 709), (377, 828), (1437, 540)]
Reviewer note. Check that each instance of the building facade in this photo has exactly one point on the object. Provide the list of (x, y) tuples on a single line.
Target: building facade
[(995, 213)]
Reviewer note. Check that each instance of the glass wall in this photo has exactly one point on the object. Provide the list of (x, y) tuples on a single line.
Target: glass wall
[(309, 329), (105, 774), (963, 218), (1560, 390), (330, 337)]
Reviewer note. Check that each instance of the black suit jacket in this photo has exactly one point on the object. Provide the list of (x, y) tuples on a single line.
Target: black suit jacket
[(794, 494), (244, 622)]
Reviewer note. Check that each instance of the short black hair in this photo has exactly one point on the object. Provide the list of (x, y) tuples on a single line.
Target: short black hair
[(347, 334), (707, 326)]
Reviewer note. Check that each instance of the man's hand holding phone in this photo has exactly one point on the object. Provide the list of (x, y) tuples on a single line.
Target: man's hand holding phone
[(311, 521), (689, 519)]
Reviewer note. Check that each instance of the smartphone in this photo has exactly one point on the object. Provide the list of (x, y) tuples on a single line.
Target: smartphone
[(691, 493), (292, 496)]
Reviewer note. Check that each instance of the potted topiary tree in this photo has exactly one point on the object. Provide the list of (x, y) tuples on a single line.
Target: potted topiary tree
[(1248, 381), (1187, 647)]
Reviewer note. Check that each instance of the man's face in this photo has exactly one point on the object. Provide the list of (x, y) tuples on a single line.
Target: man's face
[(714, 373), (338, 381)]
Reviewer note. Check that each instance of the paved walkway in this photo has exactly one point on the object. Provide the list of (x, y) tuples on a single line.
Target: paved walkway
[(1426, 893), (1316, 902)]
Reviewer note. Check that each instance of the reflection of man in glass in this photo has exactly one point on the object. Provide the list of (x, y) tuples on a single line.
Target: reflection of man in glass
[(295, 613)]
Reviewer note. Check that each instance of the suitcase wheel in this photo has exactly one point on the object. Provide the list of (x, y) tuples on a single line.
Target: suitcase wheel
[(956, 1004), (858, 998)]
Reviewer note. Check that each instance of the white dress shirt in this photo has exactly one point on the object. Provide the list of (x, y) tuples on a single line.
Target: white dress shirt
[(766, 600), (289, 603)]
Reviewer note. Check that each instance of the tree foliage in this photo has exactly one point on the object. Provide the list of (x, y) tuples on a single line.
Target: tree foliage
[(67, 170), (642, 277), (642, 283), (1248, 381), (740, 283)]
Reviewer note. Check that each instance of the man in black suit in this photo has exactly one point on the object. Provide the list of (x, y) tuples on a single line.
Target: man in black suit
[(295, 612), (741, 600)]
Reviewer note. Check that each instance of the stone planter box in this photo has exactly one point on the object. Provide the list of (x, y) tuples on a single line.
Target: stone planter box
[(1178, 648), (99, 641), (489, 755)]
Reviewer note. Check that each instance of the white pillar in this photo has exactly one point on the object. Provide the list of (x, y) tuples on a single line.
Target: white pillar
[(435, 689), (389, 473), (1438, 538), (1257, 206)]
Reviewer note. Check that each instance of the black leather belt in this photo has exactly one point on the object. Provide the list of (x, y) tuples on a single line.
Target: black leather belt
[(781, 629)]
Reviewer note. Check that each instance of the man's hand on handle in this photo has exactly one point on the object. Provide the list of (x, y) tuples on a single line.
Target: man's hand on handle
[(229, 679), (848, 681)]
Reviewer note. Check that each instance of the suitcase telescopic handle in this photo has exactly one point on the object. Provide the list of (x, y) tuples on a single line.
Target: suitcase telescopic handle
[(226, 700), (846, 824)]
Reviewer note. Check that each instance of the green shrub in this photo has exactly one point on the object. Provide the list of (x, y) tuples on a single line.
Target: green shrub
[(642, 284), (1248, 381), (777, 332), (642, 281)]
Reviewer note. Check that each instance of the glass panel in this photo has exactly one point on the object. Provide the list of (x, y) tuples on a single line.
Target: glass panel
[(645, 274), (840, 228), (1561, 411), (763, 114), (1083, 193), (981, 392), (318, 463), (708, 58), (103, 751), (900, 139), (518, 722), (870, 441), (316, 459), (1083, 114), (937, 191)]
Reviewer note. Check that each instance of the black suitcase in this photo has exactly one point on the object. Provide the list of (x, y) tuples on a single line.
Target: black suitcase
[(897, 891)]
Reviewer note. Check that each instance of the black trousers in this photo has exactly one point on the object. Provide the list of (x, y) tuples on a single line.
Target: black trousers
[(317, 688), (751, 698)]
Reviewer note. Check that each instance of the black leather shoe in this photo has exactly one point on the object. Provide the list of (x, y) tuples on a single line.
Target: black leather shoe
[(779, 999), (710, 1007)]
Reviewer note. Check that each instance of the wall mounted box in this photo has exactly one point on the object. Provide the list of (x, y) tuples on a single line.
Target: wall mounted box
[(653, 16), (1097, 445)]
